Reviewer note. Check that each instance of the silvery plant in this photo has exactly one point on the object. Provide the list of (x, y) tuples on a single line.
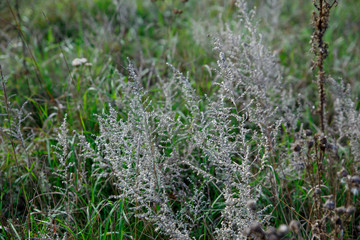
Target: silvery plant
[(167, 153)]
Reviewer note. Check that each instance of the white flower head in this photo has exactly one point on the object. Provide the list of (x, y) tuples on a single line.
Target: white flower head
[(78, 62)]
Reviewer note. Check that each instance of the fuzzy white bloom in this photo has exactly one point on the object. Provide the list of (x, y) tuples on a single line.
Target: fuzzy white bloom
[(79, 61)]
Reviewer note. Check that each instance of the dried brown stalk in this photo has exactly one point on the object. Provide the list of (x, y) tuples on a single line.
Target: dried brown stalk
[(320, 23)]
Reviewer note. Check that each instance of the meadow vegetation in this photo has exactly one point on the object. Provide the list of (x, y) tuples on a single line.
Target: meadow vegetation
[(179, 119)]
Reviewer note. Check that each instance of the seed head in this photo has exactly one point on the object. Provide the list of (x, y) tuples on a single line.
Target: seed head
[(295, 226), (351, 210), (337, 220), (297, 148), (355, 191), (355, 179), (255, 228), (251, 204), (317, 191), (272, 237), (308, 133), (271, 231), (340, 210), (343, 173), (329, 204), (282, 230)]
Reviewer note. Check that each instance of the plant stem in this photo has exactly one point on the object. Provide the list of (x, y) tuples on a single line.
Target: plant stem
[(320, 49)]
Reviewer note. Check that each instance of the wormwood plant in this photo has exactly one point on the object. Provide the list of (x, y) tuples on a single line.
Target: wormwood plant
[(169, 163), (182, 170), (15, 154)]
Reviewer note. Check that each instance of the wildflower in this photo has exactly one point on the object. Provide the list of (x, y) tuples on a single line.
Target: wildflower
[(78, 62)]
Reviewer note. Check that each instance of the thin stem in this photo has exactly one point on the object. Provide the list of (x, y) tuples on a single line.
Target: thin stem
[(36, 66), (7, 107)]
